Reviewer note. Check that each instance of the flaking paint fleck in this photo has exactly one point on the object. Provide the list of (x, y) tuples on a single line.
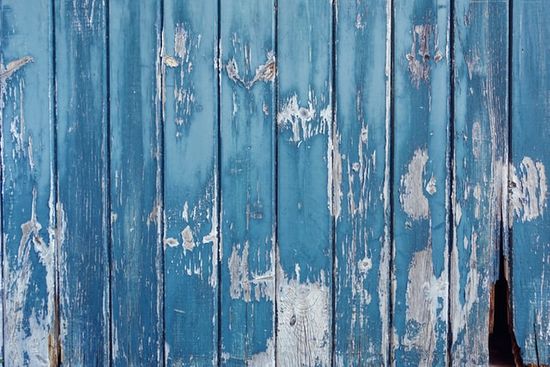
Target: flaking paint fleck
[(528, 190), (412, 197)]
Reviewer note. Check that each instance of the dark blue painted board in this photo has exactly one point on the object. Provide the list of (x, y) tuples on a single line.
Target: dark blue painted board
[(189, 93), (82, 181), (136, 294)]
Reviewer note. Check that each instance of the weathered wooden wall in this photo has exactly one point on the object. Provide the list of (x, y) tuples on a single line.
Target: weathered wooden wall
[(273, 182)]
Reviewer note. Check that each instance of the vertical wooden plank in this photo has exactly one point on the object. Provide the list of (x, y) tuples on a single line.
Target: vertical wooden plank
[(480, 141), (247, 128), (83, 182), (305, 172), (190, 182), (26, 83), (421, 182), (530, 255), (362, 249), (134, 42)]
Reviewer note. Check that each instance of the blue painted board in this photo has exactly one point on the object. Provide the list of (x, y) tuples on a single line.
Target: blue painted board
[(528, 194), (247, 130), (361, 191), (304, 183), (136, 293), (82, 181), (190, 182), (479, 191), (420, 182), (28, 187)]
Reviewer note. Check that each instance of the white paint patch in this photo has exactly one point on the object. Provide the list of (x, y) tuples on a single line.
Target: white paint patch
[(412, 197), (426, 305), (264, 73), (301, 119), (335, 176), (528, 190), (188, 240), (264, 358)]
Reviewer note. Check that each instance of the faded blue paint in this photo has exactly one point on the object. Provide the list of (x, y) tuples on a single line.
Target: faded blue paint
[(362, 249), (530, 241), (247, 128), (26, 104), (480, 138), (190, 89), (83, 181), (420, 228), (156, 173), (134, 122)]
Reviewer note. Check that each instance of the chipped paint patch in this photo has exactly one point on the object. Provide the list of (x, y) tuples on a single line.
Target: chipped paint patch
[(528, 190), (188, 240), (302, 119), (426, 306), (264, 73), (412, 197), (419, 57), (303, 337)]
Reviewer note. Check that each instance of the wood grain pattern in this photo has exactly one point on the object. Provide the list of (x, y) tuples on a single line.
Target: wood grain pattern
[(191, 201), (136, 320), (360, 184), (305, 172), (28, 188), (479, 192), (83, 181), (278, 182), (247, 129), (530, 155), (421, 182)]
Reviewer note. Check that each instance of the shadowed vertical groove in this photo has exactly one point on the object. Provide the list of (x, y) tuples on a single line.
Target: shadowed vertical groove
[(107, 188), (332, 217), (160, 173), (390, 143), (219, 187), (54, 181), (450, 174), (2, 193), (275, 260)]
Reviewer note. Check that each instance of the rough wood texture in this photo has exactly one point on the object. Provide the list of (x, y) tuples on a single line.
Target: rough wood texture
[(191, 201), (528, 195), (136, 320), (479, 162), (278, 182), (247, 130), (83, 181), (421, 182), (361, 197)]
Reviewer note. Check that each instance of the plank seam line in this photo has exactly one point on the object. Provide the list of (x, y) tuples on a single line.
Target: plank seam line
[(333, 107), (274, 261), (451, 184), (390, 162), (218, 190)]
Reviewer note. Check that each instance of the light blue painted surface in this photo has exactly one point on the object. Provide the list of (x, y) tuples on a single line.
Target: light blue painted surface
[(480, 138), (530, 157), (190, 171), (360, 193), (247, 129), (244, 183), (420, 182), (26, 92)]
